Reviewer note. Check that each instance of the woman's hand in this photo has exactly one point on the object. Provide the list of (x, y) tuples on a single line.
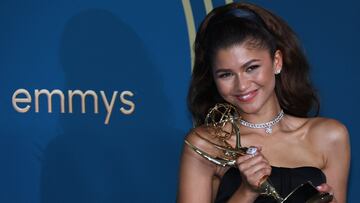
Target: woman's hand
[(254, 169), (327, 188)]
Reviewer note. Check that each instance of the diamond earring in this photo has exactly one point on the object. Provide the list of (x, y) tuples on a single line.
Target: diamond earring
[(277, 71)]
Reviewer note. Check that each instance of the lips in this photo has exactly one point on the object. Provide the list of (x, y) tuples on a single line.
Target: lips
[(247, 97)]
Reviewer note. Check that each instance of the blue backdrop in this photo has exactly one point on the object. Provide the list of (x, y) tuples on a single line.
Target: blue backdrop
[(121, 140)]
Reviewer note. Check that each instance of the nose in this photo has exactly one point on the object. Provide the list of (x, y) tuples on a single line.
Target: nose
[(242, 83)]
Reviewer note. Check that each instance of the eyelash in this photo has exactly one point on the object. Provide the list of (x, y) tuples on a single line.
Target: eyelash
[(251, 68), (224, 75), (248, 69)]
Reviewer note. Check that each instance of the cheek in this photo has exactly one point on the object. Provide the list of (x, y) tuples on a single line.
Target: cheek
[(266, 78), (224, 87)]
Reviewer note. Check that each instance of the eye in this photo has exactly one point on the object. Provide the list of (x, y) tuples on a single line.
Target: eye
[(251, 68), (224, 75)]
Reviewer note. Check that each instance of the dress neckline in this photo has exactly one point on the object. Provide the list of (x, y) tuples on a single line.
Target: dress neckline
[(297, 167)]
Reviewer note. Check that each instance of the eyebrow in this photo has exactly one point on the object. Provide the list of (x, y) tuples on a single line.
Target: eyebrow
[(243, 66)]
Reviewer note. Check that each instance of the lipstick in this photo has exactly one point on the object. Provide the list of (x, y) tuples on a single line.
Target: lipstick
[(247, 97)]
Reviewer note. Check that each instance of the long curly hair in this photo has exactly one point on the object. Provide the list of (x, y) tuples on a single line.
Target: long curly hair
[(239, 23)]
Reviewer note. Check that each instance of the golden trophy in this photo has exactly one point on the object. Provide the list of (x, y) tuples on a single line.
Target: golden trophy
[(222, 121)]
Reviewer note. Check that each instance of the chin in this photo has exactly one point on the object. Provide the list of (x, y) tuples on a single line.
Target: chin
[(247, 108)]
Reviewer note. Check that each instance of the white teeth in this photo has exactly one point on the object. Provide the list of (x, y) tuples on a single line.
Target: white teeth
[(245, 96)]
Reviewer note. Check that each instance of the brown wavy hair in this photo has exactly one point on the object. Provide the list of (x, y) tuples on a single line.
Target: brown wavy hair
[(223, 28)]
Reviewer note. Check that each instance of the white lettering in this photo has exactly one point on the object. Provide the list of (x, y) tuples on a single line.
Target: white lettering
[(22, 96), (71, 93), (109, 107), (127, 102), (16, 100), (49, 96)]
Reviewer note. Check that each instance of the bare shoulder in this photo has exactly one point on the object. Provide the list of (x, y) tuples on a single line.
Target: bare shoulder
[(331, 138), (200, 138), (327, 133)]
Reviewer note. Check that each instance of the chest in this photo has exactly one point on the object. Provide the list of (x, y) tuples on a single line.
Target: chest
[(285, 150)]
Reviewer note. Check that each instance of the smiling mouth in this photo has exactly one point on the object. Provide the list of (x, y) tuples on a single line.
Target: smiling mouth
[(247, 97)]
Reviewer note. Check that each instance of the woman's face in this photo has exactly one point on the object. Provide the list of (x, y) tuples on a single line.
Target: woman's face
[(245, 77)]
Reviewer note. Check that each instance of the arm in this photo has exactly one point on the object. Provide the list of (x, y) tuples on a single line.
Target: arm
[(336, 152), (196, 173)]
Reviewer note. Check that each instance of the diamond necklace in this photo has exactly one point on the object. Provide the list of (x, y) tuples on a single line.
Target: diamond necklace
[(267, 126)]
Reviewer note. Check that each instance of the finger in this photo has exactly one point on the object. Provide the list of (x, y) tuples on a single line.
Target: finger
[(259, 157), (247, 157), (241, 159), (254, 165), (327, 189), (248, 162), (258, 170), (324, 188), (252, 150), (259, 148), (257, 177)]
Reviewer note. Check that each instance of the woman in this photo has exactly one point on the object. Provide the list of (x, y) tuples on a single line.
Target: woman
[(250, 58)]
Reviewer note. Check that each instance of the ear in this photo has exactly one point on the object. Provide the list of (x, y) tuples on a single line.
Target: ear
[(278, 62)]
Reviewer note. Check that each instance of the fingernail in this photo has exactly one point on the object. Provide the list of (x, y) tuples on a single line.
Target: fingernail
[(318, 187)]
